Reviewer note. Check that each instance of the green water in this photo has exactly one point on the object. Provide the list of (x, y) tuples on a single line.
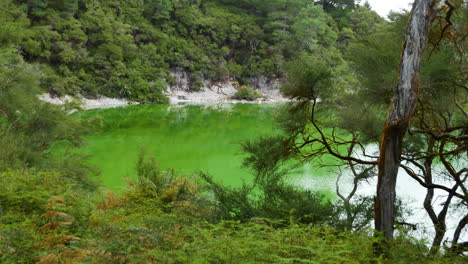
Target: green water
[(185, 138)]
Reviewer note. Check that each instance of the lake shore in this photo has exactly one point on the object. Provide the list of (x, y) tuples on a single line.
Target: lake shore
[(207, 95), (86, 103), (222, 93)]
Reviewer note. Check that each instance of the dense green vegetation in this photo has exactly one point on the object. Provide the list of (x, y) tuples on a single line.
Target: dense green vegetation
[(433, 151), (162, 219), (127, 48), (29, 127), (336, 52), (246, 93)]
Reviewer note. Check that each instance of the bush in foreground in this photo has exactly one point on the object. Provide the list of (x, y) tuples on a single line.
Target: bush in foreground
[(162, 218)]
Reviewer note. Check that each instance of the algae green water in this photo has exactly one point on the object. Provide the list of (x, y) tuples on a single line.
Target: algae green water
[(185, 138)]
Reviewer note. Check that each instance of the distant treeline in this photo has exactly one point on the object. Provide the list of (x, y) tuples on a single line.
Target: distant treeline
[(127, 48)]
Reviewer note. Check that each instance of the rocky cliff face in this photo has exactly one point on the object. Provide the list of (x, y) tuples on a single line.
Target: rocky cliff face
[(270, 88), (221, 91)]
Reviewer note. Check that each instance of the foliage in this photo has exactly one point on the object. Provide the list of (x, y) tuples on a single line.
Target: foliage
[(38, 212), (343, 124), (246, 93), (30, 127), (270, 195), (331, 51), (49, 222), (128, 48)]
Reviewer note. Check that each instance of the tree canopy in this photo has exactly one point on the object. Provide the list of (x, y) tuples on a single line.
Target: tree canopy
[(128, 48), (341, 66)]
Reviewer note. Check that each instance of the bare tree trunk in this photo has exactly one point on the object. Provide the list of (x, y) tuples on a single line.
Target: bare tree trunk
[(402, 108), (439, 224), (459, 229)]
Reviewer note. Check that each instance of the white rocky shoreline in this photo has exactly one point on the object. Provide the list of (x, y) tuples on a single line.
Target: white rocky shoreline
[(86, 103), (179, 93), (194, 98), (222, 92)]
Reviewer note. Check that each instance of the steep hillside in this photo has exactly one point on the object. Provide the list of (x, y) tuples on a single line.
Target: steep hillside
[(128, 48)]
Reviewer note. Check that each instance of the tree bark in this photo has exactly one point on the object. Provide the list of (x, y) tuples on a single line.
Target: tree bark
[(400, 112), (460, 227)]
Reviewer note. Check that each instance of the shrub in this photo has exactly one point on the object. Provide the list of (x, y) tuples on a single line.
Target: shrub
[(246, 93)]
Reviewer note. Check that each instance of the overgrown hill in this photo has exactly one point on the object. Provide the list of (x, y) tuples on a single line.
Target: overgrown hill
[(127, 48)]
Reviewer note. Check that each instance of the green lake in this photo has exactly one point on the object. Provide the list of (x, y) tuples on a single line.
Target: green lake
[(186, 138)]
